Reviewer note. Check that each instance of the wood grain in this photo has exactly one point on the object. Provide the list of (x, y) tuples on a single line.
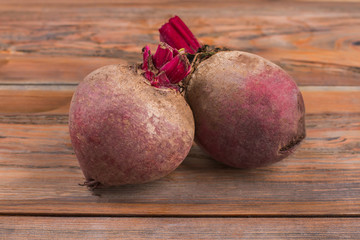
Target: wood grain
[(39, 174), (178, 228), (50, 100), (317, 42), (51, 70), (35, 101)]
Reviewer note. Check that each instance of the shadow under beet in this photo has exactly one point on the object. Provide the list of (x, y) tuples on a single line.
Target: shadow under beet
[(199, 179)]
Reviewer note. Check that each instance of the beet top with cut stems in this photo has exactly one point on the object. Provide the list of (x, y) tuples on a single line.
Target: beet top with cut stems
[(248, 111), (166, 68)]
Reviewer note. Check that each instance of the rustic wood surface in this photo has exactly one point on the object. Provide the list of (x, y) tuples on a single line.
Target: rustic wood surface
[(47, 47), (178, 228)]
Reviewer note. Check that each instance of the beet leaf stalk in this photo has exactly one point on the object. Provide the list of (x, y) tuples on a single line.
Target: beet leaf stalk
[(176, 34)]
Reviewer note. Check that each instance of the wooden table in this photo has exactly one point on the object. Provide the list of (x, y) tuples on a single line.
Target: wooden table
[(47, 47)]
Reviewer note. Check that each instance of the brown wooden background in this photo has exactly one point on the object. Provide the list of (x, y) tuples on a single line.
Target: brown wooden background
[(47, 47)]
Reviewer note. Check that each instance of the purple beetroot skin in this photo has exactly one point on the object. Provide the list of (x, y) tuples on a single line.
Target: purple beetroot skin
[(248, 111), (125, 131)]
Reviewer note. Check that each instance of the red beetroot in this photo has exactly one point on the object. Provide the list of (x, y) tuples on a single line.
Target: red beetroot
[(124, 131), (248, 111)]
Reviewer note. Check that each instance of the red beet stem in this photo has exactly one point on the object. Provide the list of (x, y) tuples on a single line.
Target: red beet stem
[(163, 80), (163, 54), (146, 58), (176, 69), (149, 76), (178, 35)]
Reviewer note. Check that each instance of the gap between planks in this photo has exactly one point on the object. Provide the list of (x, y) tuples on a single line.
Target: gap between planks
[(204, 216)]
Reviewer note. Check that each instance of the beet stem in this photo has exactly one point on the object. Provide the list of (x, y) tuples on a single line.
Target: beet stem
[(163, 54), (146, 58), (178, 35), (177, 69)]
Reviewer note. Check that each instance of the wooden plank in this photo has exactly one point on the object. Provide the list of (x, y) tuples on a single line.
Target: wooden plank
[(331, 99), (33, 69), (35, 101), (45, 100), (178, 228), (39, 174), (316, 42)]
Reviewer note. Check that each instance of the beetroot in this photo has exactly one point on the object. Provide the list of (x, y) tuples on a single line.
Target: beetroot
[(125, 131), (248, 111)]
